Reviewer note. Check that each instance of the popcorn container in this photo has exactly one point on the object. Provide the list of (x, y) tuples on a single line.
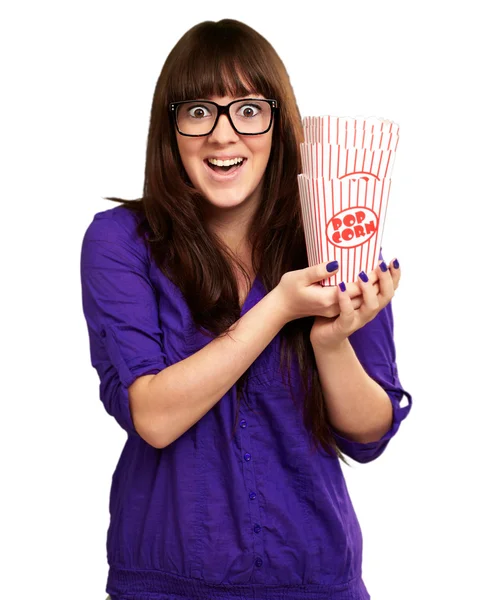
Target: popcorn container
[(344, 191)]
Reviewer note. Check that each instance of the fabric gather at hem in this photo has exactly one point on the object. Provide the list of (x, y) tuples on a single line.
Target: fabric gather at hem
[(159, 585)]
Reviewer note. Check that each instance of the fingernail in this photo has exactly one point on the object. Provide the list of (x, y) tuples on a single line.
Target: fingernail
[(363, 277), (396, 263), (383, 266), (342, 286), (332, 266)]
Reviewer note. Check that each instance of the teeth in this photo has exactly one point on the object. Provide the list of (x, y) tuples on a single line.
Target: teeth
[(225, 163)]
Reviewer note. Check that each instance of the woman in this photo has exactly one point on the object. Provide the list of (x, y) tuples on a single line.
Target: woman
[(239, 380)]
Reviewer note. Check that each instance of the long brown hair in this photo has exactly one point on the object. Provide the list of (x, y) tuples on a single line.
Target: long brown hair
[(206, 62)]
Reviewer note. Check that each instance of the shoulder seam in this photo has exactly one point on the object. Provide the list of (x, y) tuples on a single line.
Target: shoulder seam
[(124, 237)]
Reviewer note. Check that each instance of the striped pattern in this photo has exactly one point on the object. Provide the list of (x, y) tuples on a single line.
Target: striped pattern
[(344, 190)]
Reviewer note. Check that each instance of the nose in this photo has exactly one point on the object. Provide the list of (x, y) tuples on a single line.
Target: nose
[(223, 132)]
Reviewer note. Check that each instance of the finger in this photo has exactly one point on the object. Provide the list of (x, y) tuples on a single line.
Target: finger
[(319, 272), (386, 283), (373, 277), (354, 289), (395, 270), (334, 310), (370, 305), (347, 316), (326, 295), (356, 302)]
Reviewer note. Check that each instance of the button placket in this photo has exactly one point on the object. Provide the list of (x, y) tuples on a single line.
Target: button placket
[(248, 456)]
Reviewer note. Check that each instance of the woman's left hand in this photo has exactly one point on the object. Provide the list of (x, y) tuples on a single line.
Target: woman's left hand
[(331, 332)]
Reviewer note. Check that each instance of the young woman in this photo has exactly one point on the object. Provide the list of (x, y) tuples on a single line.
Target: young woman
[(240, 381)]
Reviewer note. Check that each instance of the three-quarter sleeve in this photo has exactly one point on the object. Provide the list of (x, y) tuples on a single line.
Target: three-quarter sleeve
[(121, 310), (375, 349)]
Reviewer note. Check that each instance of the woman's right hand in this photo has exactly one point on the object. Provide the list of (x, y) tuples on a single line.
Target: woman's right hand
[(301, 294)]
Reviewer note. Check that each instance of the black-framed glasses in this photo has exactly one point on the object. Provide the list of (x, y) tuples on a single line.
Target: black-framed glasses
[(249, 116)]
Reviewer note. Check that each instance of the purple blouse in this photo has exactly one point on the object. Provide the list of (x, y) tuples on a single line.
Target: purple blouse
[(256, 515)]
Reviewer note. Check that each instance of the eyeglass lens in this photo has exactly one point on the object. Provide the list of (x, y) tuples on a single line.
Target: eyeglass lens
[(198, 118)]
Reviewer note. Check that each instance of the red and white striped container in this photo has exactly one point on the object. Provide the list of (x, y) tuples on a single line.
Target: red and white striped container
[(344, 191), (370, 133), (337, 162)]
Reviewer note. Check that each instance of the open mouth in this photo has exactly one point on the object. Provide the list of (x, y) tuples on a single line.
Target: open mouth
[(225, 170)]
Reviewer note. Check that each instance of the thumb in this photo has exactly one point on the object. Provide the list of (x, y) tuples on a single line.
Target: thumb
[(321, 271)]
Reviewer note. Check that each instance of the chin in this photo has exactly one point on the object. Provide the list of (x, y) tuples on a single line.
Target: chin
[(225, 200), (230, 196)]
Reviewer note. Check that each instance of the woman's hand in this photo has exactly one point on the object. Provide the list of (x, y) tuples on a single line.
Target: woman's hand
[(301, 295), (330, 332), (330, 307)]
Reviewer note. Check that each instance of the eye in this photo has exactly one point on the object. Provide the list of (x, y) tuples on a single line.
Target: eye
[(198, 111), (248, 110)]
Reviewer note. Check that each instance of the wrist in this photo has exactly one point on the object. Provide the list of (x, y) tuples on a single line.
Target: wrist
[(330, 348), (280, 307)]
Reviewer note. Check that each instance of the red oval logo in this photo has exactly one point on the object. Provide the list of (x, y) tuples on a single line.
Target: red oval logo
[(352, 227), (366, 176)]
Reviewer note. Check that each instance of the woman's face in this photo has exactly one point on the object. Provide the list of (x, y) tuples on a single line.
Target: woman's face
[(227, 191)]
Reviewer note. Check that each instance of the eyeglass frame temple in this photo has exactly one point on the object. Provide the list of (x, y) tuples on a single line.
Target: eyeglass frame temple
[(222, 109)]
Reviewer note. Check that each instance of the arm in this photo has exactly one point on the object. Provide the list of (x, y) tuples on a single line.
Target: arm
[(147, 396), (121, 311), (358, 408), (176, 398), (364, 405), (359, 373)]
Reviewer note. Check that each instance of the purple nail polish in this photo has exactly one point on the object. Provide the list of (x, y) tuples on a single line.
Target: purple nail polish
[(396, 263), (363, 277), (332, 266), (383, 266), (342, 286)]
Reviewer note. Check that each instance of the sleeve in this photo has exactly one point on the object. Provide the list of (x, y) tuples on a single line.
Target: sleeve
[(375, 349), (121, 310)]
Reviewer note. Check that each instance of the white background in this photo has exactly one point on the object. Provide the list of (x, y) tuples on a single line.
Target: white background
[(77, 81)]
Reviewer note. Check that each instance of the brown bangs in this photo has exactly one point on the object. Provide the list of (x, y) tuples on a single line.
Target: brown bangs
[(220, 64)]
